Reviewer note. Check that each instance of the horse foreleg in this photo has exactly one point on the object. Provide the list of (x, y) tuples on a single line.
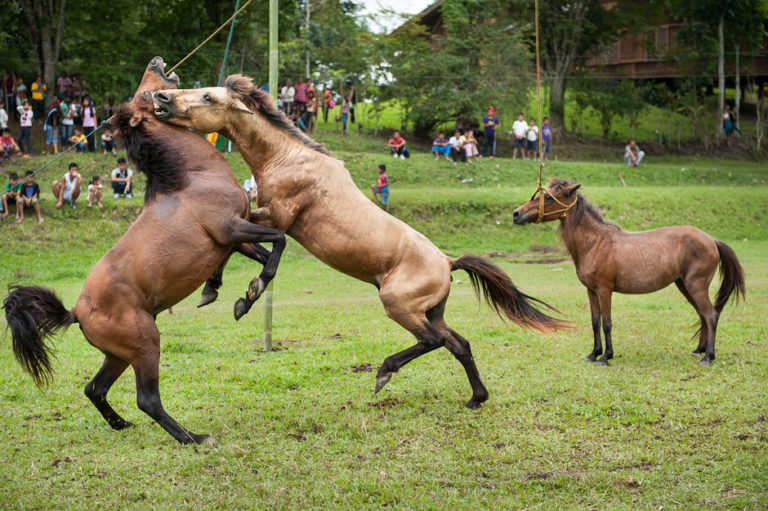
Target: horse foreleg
[(210, 290), (594, 308), (604, 302), (99, 386)]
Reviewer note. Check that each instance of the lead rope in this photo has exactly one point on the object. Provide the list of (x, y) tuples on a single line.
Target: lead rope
[(104, 123)]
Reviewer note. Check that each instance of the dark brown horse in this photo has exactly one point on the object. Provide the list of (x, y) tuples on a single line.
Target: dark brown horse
[(308, 194), (194, 216), (608, 259)]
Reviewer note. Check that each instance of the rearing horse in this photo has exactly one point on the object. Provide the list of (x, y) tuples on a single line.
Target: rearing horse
[(608, 259), (309, 195), (194, 216)]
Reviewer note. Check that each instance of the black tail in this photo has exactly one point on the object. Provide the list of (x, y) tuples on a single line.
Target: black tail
[(500, 292), (731, 274), (33, 314)]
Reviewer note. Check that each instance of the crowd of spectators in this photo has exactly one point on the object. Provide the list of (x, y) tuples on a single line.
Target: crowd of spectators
[(302, 102)]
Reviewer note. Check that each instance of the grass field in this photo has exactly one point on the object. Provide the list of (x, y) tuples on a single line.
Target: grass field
[(300, 428)]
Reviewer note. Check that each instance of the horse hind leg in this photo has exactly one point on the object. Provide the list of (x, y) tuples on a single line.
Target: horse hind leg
[(212, 285), (703, 331), (459, 348), (699, 292), (99, 386)]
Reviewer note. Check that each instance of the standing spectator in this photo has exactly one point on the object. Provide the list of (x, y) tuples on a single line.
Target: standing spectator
[(52, 127), (397, 146), (3, 115), (69, 188), (251, 188), (67, 121), (546, 138), (344, 115), (78, 140), (63, 86), (735, 120), (632, 154), (78, 86), (300, 96), (95, 191), (310, 87), (121, 179), (108, 142), (328, 103), (469, 144), (9, 145), (455, 143), (532, 136), (309, 117), (39, 90), (441, 146), (11, 193), (25, 118), (352, 96), (490, 122), (29, 195), (727, 123), (109, 108), (520, 129), (288, 94), (21, 91), (9, 89), (88, 113), (381, 189)]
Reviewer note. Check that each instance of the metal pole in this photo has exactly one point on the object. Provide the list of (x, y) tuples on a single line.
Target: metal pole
[(229, 41), (273, 91)]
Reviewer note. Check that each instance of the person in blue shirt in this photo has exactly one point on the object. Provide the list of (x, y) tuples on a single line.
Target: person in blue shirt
[(490, 123)]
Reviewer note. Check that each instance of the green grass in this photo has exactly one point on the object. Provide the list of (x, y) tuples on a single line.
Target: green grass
[(299, 429)]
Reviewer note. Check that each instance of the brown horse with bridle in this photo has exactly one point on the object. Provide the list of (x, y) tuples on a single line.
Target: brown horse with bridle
[(309, 195), (608, 259), (195, 215)]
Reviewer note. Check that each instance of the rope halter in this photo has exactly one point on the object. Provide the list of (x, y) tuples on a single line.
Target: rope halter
[(541, 191)]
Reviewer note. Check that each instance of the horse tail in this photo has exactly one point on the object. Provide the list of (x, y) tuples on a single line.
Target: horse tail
[(33, 314), (731, 274), (500, 293)]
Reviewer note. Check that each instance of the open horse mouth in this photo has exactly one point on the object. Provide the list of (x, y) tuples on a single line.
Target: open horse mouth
[(163, 104), (157, 66)]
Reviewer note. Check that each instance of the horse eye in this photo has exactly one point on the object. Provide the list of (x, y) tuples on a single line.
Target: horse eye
[(207, 98)]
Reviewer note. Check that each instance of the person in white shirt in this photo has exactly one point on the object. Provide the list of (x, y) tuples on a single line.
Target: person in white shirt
[(3, 116), (251, 188), (95, 189), (520, 130), (455, 143), (26, 114), (121, 179), (287, 95), (68, 189), (532, 136)]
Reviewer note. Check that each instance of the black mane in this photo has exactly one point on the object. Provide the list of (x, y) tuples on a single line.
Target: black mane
[(151, 155), (259, 101), (582, 206)]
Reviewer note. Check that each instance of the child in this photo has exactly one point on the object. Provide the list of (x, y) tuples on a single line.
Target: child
[(25, 111), (28, 196), (94, 192), (441, 146), (344, 115), (546, 138), (532, 139), (11, 193), (9, 145), (108, 142), (469, 144), (68, 189), (78, 139), (381, 189), (3, 115)]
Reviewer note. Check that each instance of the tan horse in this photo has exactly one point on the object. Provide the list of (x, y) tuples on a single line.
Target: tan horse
[(608, 259), (309, 195), (194, 216)]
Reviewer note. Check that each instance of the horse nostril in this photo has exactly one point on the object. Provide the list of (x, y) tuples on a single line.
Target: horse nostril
[(162, 97), (515, 214)]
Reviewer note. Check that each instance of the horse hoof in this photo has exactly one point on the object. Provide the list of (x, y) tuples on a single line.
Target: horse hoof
[(242, 306), (590, 358), (602, 363), (696, 353), (382, 380), (255, 289), (705, 362), (476, 402), (121, 425), (207, 297)]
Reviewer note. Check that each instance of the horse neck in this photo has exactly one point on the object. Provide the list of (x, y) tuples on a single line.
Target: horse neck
[(578, 232), (263, 146)]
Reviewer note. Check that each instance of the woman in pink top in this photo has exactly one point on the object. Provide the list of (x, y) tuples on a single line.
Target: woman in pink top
[(300, 96), (88, 114)]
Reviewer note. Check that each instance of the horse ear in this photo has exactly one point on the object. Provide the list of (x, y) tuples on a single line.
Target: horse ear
[(572, 188), (240, 106), (135, 120)]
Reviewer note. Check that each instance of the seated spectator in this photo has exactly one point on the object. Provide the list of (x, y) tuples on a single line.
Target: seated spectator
[(632, 154), (78, 139), (532, 139), (397, 146), (11, 193), (108, 142), (29, 196), (469, 144), (68, 189), (3, 115), (9, 145), (121, 179), (251, 188), (441, 146), (455, 143), (95, 190)]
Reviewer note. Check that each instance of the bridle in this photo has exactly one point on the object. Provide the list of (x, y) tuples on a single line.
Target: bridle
[(541, 191)]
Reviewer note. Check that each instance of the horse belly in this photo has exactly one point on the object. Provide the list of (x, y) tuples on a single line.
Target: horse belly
[(646, 272)]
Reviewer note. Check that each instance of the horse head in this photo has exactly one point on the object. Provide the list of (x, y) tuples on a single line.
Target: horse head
[(558, 197)]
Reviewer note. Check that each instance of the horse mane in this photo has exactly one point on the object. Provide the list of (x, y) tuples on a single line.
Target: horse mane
[(582, 206), (152, 155), (259, 101)]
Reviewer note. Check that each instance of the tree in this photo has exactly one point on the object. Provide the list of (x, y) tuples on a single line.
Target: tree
[(45, 25)]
